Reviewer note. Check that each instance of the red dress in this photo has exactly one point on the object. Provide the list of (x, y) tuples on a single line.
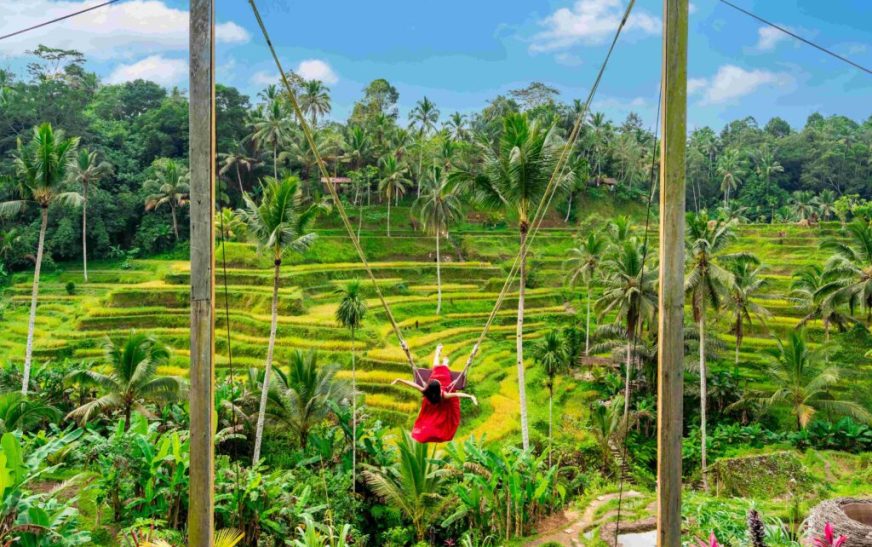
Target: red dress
[(438, 423)]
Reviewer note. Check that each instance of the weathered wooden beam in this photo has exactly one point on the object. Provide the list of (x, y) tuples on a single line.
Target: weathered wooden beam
[(671, 299), (201, 522)]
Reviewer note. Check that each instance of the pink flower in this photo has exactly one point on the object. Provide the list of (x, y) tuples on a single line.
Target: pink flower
[(829, 539), (712, 541)]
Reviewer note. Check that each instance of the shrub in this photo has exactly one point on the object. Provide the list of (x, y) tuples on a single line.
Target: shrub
[(70, 288)]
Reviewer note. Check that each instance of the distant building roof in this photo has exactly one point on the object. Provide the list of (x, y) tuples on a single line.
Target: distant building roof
[(599, 181), (336, 180)]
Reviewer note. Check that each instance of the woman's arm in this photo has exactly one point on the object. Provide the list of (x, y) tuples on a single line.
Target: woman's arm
[(460, 395), (407, 383)]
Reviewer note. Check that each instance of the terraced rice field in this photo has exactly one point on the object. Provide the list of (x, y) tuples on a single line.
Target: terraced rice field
[(153, 296)]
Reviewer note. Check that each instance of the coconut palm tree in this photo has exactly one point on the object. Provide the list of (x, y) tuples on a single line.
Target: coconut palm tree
[(350, 313), (601, 131), (132, 379), (707, 285), (41, 167), (808, 293), (279, 223), (169, 186), (87, 170), (393, 182), (437, 208), (731, 168), (414, 485), (630, 291), (825, 203), (849, 270), (514, 174), (583, 263), (424, 116), (303, 398), (358, 146), (315, 100), (747, 283), (456, 126), (803, 204), (237, 160), (272, 129), (552, 353), (802, 385), (767, 166)]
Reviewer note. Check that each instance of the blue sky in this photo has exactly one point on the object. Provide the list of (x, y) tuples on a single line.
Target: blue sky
[(460, 54)]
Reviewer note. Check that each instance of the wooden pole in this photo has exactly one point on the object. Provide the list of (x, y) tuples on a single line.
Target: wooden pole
[(671, 300), (201, 522)]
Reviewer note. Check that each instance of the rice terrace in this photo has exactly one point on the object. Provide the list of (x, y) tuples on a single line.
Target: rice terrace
[(586, 273)]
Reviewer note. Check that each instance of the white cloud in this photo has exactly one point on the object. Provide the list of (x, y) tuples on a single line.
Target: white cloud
[(316, 69), (695, 85), (118, 31), (768, 38), (263, 78), (732, 82), (156, 68), (568, 59), (589, 22)]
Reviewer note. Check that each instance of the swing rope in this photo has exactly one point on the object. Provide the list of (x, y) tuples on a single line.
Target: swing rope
[(637, 333), (557, 177), (307, 132)]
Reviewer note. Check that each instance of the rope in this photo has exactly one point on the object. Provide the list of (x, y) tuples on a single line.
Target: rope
[(56, 19), (548, 195), (638, 332), (798, 37), (334, 195)]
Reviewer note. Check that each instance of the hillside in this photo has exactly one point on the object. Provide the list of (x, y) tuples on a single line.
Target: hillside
[(152, 295)]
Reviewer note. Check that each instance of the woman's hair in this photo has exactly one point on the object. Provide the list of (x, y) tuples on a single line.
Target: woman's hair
[(433, 392)]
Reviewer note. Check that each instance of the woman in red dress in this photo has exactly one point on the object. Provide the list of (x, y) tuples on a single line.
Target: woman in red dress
[(440, 406)]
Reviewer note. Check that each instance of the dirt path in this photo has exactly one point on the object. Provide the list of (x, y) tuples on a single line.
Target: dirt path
[(564, 527)]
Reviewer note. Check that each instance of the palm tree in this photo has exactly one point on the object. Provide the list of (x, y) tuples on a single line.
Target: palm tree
[(514, 175), (629, 290), (584, 261), (767, 165), (169, 187), (456, 126), (424, 116), (731, 168), (808, 293), (358, 146), (41, 167), (601, 133), (414, 485), (132, 380), (849, 271), (87, 170), (825, 203), (747, 282), (803, 386), (315, 100), (707, 284), (303, 397), (803, 203), (236, 160), (393, 182), (350, 313), (272, 129), (18, 412), (279, 224), (437, 208), (552, 353)]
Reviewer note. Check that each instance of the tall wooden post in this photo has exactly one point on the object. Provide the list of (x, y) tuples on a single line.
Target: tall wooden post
[(671, 300), (202, 160)]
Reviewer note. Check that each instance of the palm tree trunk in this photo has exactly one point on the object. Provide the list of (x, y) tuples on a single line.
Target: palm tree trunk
[(519, 338), (703, 396), (587, 325), (360, 220), (127, 411), (438, 277), (389, 215), (738, 335), (353, 415), (31, 323), (85, 230), (276, 162), (239, 180), (261, 413), (175, 222), (628, 365), (550, 418), (568, 209)]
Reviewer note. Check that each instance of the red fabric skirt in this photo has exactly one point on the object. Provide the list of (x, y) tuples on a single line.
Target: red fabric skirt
[(438, 423)]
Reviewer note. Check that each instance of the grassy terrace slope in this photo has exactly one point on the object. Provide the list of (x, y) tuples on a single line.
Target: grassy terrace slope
[(153, 296)]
